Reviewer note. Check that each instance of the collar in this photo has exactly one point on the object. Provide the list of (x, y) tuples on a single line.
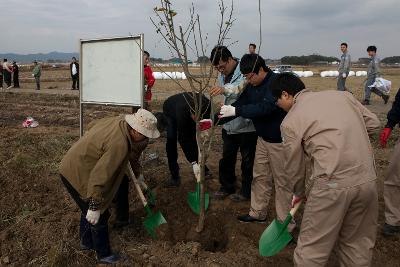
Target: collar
[(300, 94)]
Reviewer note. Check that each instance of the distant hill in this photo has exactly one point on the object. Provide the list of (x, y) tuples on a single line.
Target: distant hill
[(49, 57)]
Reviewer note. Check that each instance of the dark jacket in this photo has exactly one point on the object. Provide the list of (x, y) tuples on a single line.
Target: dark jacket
[(77, 68), (258, 104), (393, 115), (178, 111)]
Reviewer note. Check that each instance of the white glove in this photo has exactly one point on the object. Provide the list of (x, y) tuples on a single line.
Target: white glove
[(227, 111), (344, 75), (33, 75), (92, 216), (141, 178), (196, 170)]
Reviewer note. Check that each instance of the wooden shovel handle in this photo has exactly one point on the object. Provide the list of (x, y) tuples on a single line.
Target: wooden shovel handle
[(295, 208), (137, 185)]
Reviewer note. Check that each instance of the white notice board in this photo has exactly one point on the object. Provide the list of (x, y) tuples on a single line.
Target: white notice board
[(111, 71)]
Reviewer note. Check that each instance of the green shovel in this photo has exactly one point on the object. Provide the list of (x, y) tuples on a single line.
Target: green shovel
[(276, 236), (193, 198), (152, 220)]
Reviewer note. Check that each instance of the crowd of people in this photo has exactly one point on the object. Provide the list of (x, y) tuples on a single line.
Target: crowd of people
[(295, 145)]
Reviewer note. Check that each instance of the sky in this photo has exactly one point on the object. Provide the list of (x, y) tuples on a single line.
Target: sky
[(289, 27)]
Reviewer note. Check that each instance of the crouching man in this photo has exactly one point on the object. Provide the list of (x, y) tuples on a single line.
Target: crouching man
[(93, 168), (342, 206)]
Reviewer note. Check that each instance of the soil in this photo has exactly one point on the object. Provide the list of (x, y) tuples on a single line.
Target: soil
[(39, 222)]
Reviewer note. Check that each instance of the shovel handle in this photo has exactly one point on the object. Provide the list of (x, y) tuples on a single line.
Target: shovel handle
[(137, 185), (295, 208)]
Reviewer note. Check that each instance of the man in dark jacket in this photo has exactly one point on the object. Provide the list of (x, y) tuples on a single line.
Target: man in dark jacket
[(15, 74), (74, 70), (258, 104), (181, 128), (391, 188)]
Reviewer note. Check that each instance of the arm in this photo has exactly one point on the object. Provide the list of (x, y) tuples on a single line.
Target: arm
[(262, 109), (294, 160), (150, 80), (393, 116), (377, 67), (105, 169), (372, 122), (347, 64)]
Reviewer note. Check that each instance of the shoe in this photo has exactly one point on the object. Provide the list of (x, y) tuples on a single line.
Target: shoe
[(121, 224), (239, 198), (172, 183), (385, 98), (113, 258), (247, 219), (365, 102), (85, 247), (9, 87), (390, 230), (220, 195)]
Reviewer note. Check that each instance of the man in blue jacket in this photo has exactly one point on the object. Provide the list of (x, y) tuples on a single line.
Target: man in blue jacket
[(238, 134), (257, 103)]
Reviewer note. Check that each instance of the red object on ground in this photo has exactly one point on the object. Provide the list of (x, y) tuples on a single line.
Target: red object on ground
[(205, 124), (384, 136)]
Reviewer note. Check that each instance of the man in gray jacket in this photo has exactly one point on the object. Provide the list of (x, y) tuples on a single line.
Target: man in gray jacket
[(344, 68), (238, 134), (373, 72)]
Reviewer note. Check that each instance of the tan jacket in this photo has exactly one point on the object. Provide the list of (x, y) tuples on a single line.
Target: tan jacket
[(332, 128), (95, 165)]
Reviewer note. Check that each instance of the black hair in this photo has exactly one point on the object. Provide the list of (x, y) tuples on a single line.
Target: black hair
[(218, 53), (5, 60), (345, 44), (146, 53), (253, 45), (371, 48), (162, 121), (287, 82), (74, 58), (252, 63)]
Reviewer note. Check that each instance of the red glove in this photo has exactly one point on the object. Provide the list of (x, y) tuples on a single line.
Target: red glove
[(205, 124), (384, 136)]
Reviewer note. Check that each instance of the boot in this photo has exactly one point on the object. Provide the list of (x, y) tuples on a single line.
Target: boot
[(172, 182)]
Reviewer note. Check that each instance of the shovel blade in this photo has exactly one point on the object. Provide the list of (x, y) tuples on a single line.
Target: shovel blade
[(152, 221), (193, 200), (274, 239)]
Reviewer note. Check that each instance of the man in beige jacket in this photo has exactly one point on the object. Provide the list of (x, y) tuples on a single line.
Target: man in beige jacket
[(342, 204), (93, 168)]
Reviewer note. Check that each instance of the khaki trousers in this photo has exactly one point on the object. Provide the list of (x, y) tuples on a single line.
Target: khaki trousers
[(344, 218), (391, 189), (269, 169)]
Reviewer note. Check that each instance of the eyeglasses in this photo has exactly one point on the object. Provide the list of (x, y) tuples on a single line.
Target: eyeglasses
[(221, 67), (248, 76)]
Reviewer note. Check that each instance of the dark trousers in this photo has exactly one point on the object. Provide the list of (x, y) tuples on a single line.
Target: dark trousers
[(1, 80), (75, 81), (92, 236), (37, 80), (121, 200), (16, 79), (246, 143), (7, 78), (189, 148)]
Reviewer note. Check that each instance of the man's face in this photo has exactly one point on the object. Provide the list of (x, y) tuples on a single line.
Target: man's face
[(285, 102), (255, 79), (146, 59), (136, 136), (371, 53), (252, 50), (74, 60), (343, 48), (223, 67)]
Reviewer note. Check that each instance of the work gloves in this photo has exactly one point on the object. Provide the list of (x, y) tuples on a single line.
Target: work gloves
[(92, 216), (196, 170), (227, 111), (344, 75), (384, 136)]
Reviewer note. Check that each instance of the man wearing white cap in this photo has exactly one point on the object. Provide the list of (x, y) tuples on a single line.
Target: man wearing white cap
[(93, 168)]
